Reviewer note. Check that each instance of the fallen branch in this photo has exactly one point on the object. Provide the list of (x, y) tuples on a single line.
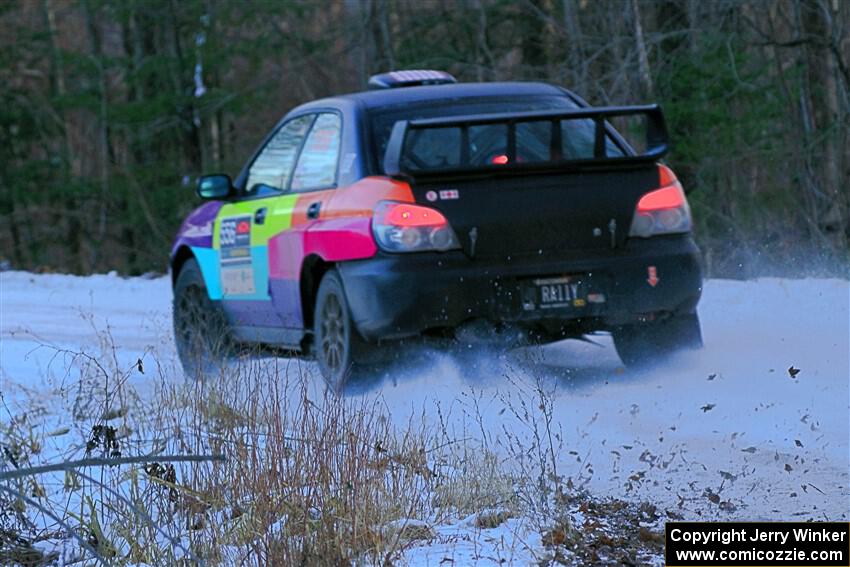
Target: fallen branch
[(101, 462)]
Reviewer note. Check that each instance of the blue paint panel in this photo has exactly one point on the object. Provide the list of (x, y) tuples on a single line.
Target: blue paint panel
[(208, 261)]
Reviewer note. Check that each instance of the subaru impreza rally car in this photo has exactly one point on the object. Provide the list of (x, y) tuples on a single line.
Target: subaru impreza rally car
[(427, 207)]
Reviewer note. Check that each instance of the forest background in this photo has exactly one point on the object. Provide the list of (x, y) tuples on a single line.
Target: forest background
[(109, 109)]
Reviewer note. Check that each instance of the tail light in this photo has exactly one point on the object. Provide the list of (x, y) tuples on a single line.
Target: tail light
[(664, 210), (404, 227)]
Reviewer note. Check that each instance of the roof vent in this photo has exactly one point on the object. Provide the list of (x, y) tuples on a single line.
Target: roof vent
[(395, 79)]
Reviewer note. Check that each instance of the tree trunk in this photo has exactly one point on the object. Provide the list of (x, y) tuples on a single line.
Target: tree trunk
[(643, 57), (103, 132)]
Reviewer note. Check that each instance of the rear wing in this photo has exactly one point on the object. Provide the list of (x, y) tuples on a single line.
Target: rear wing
[(396, 163)]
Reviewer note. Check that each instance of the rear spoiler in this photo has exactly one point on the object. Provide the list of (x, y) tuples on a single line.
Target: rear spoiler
[(656, 140)]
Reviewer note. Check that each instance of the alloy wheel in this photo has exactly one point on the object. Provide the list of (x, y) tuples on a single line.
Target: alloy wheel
[(333, 333)]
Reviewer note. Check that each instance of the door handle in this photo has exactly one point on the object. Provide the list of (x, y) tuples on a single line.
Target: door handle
[(260, 215), (313, 210)]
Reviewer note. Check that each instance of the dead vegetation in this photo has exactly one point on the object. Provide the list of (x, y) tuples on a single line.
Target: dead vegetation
[(259, 465)]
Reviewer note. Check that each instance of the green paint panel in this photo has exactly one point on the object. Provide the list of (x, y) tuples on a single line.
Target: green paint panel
[(278, 217)]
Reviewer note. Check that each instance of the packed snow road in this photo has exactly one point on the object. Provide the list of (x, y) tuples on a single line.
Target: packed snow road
[(724, 433)]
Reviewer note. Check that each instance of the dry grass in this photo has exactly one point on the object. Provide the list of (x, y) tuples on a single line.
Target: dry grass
[(304, 477), (306, 480), (307, 477)]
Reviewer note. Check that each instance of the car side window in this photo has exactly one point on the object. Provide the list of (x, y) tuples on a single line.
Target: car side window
[(317, 164), (272, 169)]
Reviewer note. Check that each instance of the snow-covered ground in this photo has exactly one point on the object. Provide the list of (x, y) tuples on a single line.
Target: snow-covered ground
[(723, 433)]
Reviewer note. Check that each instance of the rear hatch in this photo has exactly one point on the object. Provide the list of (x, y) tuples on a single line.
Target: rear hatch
[(545, 215), (529, 183)]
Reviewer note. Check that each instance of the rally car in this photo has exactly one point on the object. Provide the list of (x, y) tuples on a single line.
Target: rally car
[(427, 207)]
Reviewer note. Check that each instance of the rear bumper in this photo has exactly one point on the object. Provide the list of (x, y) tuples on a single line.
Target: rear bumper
[(397, 295)]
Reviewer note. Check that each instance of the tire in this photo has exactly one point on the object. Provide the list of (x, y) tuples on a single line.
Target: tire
[(642, 344), (338, 348), (201, 332)]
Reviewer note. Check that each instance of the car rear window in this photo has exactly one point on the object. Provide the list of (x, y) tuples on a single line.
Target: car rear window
[(440, 147)]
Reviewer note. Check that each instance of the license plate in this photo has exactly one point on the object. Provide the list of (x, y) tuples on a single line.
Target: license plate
[(565, 292)]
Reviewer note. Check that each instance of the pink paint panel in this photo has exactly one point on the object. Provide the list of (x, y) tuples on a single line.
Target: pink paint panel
[(334, 240), (340, 239), (286, 253)]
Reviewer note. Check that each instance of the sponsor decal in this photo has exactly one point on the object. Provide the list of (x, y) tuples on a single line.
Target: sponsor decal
[(195, 231), (652, 276), (444, 194), (237, 270)]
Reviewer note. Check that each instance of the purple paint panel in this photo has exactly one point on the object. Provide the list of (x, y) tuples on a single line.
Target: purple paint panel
[(251, 313), (197, 229), (286, 298)]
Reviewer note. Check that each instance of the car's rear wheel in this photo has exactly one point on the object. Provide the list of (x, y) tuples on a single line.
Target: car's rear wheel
[(645, 343), (201, 331), (338, 348)]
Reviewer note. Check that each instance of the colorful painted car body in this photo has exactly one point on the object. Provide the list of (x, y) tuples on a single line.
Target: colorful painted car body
[(522, 184), (257, 270)]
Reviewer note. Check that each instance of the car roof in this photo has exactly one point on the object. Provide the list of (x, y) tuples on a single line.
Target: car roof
[(406, 95)]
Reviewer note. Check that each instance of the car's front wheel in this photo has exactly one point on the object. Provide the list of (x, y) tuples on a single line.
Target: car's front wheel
[(645, 343), (201, 332), (338, 348)]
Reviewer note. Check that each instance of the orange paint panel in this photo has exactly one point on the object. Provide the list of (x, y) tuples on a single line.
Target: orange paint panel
[(299, 213), (360, 198)]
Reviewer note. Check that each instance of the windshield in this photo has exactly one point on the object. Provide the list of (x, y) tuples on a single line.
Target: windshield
[(440, 147)]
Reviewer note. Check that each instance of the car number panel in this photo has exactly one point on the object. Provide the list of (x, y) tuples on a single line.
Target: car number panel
[(237, 270)]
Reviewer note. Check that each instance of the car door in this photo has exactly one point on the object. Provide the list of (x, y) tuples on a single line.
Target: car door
[(313, 181), (243, 229)]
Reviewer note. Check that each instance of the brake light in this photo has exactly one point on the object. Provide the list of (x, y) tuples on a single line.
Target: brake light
[(664, 198), (500, 159), (404, 227), (401, 214), (664, 210)]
